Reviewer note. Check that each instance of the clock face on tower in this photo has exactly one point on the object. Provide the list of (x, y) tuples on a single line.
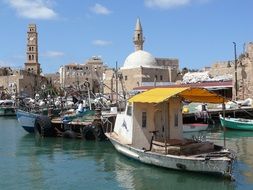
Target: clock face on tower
[(31, 39)]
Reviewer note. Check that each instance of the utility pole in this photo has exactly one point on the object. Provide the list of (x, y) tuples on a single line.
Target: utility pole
[(117, 90), (236, 86)]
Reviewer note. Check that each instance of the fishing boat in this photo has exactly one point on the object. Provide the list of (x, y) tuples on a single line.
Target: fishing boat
[(193, 127), (151, 131), (26, 120), (7, 108), (237, 123)]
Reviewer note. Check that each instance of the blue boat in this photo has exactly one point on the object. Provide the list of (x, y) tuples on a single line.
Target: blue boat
[(27, 120)]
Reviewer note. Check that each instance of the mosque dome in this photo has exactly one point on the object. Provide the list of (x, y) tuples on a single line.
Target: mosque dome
[(139, 58)]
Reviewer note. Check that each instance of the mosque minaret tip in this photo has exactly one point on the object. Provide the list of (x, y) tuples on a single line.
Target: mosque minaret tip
[(138, 36)]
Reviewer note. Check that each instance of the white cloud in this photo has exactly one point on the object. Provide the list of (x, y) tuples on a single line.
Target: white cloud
[(33, 9), (165, 4), (101, 42), (100, 9), (53, 54)]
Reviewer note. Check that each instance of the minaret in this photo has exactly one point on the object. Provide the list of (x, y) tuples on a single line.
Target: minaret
[(32, 64), (138, 36)]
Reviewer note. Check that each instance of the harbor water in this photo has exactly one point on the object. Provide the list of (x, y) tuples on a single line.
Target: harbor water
[(28, 163)]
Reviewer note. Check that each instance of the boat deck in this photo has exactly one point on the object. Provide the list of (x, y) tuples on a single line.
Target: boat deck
[(182, 147)]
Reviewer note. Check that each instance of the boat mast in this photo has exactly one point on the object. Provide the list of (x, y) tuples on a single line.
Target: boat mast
[(224, 129)]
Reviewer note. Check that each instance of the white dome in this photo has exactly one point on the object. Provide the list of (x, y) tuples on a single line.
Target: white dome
[(139, 58)]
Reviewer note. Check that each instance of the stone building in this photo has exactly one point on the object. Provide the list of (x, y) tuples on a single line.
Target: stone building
[(244, 72), (29, 81), (141, 68), (80, 75), (21, 82)]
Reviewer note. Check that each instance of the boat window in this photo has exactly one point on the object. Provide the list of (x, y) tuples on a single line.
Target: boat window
[(144, 119), (129, 110), (176, 120)]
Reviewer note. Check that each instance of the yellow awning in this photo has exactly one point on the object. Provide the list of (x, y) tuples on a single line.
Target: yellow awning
[(157, 95)]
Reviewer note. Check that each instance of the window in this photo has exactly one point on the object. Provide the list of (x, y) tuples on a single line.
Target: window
[(125, 77), (155, 77), (30, 57), (138, 37), (161, 77), (144, 119), (129, 110), (176, 120)]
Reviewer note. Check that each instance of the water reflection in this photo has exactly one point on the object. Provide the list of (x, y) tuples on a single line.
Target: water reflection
[(242, 142), (56, 163), (238, 134), (45, 155), (134, 175), (196, 135)]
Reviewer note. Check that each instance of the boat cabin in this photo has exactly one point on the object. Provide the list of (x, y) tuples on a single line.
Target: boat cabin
[(156, 115)]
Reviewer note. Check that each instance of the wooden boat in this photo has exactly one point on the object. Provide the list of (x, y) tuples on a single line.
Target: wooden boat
[(151, 131), (27, 120), (193, 127), (237, 123), (79, 125), (7, 108)]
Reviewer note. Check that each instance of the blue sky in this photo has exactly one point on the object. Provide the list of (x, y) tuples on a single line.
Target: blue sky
[(197, 32)]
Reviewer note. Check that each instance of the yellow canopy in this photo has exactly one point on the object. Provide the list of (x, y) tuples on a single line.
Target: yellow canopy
[(157, 95)]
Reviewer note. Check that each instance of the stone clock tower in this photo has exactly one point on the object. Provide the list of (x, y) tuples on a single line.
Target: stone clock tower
[(32, 64)]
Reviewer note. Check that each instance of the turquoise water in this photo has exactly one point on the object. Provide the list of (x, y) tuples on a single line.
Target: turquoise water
[(56, 163)]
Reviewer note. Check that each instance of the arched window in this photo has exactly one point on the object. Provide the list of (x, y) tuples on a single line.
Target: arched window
[(30, 57)]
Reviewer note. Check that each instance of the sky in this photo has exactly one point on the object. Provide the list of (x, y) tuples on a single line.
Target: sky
[(197, 32)]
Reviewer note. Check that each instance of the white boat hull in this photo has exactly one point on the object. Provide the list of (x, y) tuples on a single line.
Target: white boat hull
[(216, 165)]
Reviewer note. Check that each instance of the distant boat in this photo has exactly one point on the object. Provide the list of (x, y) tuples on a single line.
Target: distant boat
[(7, 108), (237, 123), (193, 127)]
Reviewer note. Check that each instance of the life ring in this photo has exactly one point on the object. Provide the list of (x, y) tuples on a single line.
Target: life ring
[(100, 132), (90, 133), (43, 126), (69, 134)]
